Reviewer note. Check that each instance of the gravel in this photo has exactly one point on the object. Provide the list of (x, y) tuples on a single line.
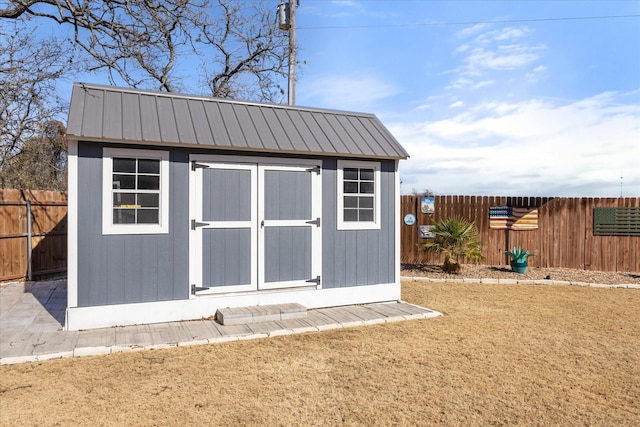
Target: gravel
[(472, 271)]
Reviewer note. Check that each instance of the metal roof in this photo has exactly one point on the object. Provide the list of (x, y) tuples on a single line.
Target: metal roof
[(113, 114)]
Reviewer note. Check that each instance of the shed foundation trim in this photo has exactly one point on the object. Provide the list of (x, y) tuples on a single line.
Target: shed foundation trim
[(105, 316)]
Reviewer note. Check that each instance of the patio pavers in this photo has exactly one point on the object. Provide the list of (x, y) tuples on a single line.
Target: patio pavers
[(32, 326)]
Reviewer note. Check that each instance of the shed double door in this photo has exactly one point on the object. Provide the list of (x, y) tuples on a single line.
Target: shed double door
[(254, 226)]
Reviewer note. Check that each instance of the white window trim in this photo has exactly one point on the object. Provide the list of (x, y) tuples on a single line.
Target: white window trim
[(108, 227), (349, 225)]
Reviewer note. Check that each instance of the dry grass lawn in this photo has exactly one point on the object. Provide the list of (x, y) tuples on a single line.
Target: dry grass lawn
[(501, 355)]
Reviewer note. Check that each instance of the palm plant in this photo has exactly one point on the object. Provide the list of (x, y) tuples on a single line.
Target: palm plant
[(456, 238)]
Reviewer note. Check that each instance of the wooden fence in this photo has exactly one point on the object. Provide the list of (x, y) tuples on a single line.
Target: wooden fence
[(42, 215), (564, 237)]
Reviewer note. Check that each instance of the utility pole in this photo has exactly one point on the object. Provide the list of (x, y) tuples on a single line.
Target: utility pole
[(287, 21), (292, 52)]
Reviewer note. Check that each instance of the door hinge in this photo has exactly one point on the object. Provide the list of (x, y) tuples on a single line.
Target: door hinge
[(195, 224), (195, 166), (315, 169), (195, 289), (315, 221), (316, 281)]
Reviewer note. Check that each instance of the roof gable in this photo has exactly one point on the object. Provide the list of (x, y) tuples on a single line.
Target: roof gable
[(112, 114)]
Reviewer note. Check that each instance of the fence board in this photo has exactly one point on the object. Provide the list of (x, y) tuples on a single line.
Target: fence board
[(49, 233), (564, 238)]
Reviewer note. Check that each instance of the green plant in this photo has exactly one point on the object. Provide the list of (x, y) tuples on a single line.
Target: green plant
[(456, 238), (519, 255)]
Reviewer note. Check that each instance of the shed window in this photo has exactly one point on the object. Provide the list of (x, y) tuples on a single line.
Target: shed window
[(358, 195), (135, 199)]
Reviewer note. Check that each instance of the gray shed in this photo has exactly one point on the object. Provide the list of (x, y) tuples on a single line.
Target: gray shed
[(180, 205)]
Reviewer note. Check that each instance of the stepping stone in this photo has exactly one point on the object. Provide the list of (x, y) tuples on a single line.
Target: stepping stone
[(260, 313)]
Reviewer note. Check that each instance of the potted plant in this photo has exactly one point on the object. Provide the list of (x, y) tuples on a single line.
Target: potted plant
[(519, 259)]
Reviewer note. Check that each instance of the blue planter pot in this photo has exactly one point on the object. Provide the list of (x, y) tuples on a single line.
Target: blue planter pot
[(519, 267)]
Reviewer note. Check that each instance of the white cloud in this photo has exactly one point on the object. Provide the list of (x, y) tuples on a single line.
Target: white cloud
[(501, 35), (529, 148), (506, 57), (357, 91), (459, 83), (484, 83), (456, 104), (471, 31), (486, 52)]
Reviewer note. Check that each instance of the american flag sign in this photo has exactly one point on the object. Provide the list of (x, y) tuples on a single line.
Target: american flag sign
[(513, 218)]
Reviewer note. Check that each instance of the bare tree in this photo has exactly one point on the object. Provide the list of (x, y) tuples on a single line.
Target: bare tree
[(249, 55), (137, 40), (28, 74), (423, 192), (144, 43), (42, 162)]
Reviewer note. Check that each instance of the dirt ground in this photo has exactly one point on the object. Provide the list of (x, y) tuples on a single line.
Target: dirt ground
[(501, 355), (479, 271)]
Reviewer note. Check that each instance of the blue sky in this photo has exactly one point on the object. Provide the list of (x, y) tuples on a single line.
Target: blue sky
[(488, 97), (507, 98)]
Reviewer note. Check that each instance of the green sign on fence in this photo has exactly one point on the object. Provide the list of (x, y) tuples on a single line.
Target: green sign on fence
[(616, 221)]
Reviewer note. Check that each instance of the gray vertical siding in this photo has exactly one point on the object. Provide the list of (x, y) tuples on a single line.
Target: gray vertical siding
[(287, 195), (227, 195), (121, 269), (226, 257), (357, 257), (226, 253), (287, 253)]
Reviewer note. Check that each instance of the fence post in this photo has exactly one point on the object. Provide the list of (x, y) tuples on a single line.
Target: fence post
[(29, 240)]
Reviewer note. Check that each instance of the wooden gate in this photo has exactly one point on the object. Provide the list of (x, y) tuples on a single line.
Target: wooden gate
[(33, 233)]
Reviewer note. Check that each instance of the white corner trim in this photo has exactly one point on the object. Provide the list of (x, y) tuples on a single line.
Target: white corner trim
[(396, 221), (72, 224), (190, 309)]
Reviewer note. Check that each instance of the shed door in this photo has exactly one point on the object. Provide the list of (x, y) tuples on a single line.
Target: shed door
[(253, 227), (223, 228), (289, 234)]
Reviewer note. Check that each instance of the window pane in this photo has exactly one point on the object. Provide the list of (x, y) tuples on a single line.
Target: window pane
[(148, 166), (350, 173), (366, 215), (124, 165), (350, 187), (121, 182), (366, 174), (147, 216), (147, 182), (366, 202), (351, 215), (149, 200), (366, 187), (120, 199), (350, 202), (124, 216)]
